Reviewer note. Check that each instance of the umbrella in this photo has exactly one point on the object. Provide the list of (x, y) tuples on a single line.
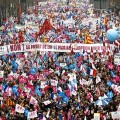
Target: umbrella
[(101, 102)]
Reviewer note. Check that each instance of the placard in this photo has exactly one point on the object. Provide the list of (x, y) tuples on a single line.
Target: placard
[(47, 102), (1, 74), (117, 59), (19, 108), (32, 114), (115, 115), (33, 101), (96, 116), (54, 82), (63, 64)]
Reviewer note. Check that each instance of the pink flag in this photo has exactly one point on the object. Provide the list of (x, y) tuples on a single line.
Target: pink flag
[(69, 115), (67, 92), (54, 89), (0, 87), (110, 66)]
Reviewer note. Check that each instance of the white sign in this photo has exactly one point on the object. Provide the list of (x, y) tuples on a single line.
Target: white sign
[(33, 101), (63, 64), (32, 114), (1, 98), (96, 116), (1, 50), (1, 74), (54, 82), (47, 102), (19, 108), (43, 84), (115, 115), (117, 59)]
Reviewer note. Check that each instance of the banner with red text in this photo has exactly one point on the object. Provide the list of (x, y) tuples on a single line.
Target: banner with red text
[(55, 47)]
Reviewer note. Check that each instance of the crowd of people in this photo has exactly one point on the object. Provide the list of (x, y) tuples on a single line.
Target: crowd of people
[(57, 85)]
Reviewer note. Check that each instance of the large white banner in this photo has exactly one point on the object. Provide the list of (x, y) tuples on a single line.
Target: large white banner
[(56, 47)]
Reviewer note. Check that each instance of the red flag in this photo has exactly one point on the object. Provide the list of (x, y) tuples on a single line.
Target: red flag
[(36, 37), (105, 23), (20, 35), (72, 52), (72, 49), (45, 27)]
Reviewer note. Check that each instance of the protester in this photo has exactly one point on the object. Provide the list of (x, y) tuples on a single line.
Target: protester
[(59, 86)]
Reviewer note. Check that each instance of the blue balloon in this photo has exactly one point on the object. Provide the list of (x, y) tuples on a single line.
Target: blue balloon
[(112, 35), (33, 71)]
